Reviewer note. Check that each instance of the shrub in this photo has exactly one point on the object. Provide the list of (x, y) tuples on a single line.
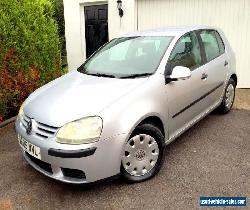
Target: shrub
[(29, 50)]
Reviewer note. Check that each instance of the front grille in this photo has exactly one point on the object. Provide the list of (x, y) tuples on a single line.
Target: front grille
[(73, 173), (40, 129), (41, 164)]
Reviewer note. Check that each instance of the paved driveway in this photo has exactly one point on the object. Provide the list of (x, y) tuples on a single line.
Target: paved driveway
[(211, 159)]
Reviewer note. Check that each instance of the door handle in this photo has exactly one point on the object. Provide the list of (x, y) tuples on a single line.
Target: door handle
[(204, 76), (226, 63)]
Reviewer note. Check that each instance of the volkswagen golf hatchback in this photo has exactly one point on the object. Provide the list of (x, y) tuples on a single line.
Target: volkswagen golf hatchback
[(116, 113)]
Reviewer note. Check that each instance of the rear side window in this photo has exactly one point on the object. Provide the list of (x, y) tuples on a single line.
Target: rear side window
[(212, 43)]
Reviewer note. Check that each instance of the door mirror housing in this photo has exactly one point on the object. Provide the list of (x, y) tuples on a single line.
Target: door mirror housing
[(179, 73)]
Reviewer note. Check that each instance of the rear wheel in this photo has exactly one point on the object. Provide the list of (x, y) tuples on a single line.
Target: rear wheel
[(228, 99), (143, 153)]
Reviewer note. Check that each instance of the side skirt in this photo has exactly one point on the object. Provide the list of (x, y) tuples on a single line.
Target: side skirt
[(192, 122)]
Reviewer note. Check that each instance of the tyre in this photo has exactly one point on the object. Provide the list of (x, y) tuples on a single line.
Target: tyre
[(143, 153), (228, 98)]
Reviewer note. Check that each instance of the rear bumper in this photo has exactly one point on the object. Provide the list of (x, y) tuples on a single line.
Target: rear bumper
[(76, 164)]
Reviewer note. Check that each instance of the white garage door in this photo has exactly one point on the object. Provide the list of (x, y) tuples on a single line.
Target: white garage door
[(232, 16)]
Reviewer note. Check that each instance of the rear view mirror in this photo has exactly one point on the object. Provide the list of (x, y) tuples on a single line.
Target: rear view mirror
[(179, 73)]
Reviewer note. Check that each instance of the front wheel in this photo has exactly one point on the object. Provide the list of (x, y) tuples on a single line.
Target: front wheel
[(228, 98), (143, 153)]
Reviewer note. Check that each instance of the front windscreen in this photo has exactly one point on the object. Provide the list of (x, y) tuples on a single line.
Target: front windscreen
[(128, 56)]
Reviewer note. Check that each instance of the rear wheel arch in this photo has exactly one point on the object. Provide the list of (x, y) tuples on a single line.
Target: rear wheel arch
[(234, 77)]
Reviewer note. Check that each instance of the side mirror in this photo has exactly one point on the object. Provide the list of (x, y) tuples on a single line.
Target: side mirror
[(179, 73)]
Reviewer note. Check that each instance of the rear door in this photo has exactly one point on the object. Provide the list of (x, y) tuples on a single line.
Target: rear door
[(216, 64)]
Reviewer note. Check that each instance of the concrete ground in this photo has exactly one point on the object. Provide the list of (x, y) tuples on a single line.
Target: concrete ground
[(211, 159), (242, 99)]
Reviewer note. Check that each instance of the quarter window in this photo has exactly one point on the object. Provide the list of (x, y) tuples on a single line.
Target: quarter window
[(213, 46), (220, 42), (186, 52)]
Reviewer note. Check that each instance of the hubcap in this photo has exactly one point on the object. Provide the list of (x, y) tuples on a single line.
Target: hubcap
[(229, 96), (140, 155)]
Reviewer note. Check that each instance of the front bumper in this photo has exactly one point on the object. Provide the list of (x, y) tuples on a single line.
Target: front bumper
[(77, 164)]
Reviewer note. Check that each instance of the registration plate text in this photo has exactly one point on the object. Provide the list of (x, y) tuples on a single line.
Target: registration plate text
[(29, 147)]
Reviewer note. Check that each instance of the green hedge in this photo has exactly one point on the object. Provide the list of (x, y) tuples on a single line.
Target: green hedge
[(29, 50)]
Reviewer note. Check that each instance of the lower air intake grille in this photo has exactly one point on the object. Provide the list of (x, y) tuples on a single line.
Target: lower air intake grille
[(41, 164), (73, 173)]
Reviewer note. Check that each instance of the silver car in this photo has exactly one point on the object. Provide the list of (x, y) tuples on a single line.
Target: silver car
[(115, 114)]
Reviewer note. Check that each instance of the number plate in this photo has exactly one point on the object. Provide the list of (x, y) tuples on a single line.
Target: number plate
[(30, 148)]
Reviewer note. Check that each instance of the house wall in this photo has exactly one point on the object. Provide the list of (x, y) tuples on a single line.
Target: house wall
[(75, 30), (75, 25), (117, 25), (232, 16)]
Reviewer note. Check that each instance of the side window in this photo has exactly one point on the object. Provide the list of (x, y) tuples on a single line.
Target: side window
[(186, 52), (220, 42), (211, 45)]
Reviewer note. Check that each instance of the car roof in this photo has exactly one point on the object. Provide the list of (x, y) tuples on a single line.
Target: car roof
[(168, 31)]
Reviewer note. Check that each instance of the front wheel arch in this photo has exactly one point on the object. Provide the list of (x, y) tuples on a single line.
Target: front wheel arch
[(156, 121)]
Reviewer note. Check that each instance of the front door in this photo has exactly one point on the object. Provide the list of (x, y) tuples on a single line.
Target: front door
[(96, 27), (186, 97)]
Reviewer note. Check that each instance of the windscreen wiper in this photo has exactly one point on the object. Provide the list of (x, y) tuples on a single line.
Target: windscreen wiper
[(135, 75), (101, 75)]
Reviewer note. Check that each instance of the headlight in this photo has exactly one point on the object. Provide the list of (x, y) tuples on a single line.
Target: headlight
[(81, 131), (20, 113)]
